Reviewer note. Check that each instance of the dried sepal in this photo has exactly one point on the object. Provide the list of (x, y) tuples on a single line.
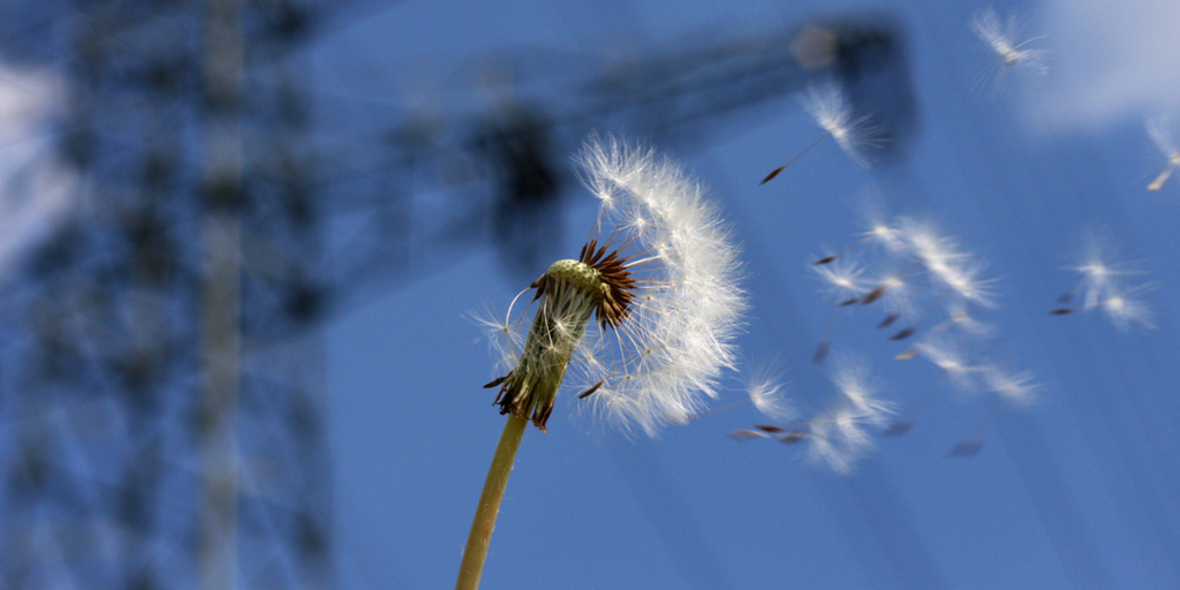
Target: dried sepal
[(497, 381), (619, 287)]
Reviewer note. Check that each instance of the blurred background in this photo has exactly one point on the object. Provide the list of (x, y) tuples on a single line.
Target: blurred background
[(242, 241)]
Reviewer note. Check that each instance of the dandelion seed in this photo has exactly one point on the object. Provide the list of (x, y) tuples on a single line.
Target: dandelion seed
[(826, 104), (878, 232), (1103, 286), (941, 257), (960, 318), (1017, 389), (946, 354), (765, 392), (1001, 37), (851, 378), (841, 278), (1125, 310), (887, 236), (840, 441), (1157, 130), (838, 438), (903, 334)]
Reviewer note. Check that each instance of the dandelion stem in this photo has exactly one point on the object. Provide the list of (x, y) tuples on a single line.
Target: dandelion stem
[(476, 551)]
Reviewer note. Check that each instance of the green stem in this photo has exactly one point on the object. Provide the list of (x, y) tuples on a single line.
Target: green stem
[(476, 551)]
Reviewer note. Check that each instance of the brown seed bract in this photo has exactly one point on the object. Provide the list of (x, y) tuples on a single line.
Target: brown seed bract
[(616, 300)]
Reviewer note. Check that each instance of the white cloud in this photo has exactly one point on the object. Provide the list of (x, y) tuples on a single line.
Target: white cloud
[(1111, 60)]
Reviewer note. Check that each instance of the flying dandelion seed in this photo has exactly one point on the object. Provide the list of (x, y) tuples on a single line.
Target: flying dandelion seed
[(851, 377), (839, 437), (1157, 130), (946, 353), (1103, 285), (840, 441), (827, 105), (951, 268), (854, 134), (1002, 38), (924, 276), (1019, 389), (878, 232), (842, 279), (931, 289), (766, 393)]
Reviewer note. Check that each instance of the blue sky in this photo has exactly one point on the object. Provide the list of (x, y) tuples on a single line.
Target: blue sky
[(1075, 491)]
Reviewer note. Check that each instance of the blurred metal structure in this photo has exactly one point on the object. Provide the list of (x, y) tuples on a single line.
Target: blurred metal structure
[(149, 440), (495, 171), (160, 410)]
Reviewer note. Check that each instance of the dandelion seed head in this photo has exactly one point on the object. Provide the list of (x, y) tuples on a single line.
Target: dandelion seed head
[(660, 272)]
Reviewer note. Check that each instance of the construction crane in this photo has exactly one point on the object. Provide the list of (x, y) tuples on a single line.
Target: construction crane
[(162, 386)]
